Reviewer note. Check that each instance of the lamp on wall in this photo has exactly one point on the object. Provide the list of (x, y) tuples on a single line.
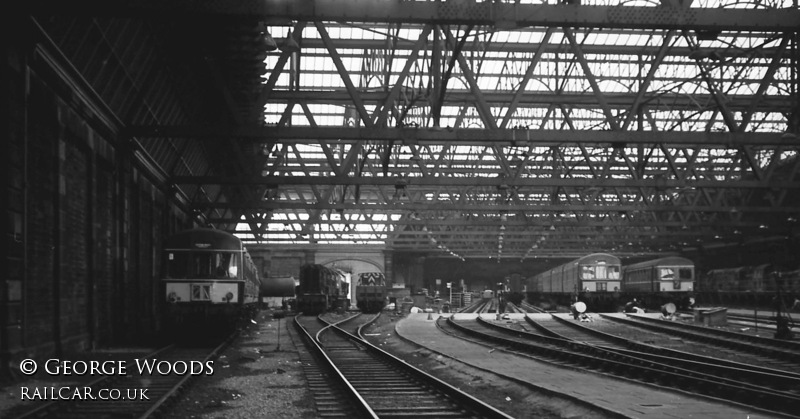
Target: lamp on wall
[(400, 193), (290, 45), (265, 40)]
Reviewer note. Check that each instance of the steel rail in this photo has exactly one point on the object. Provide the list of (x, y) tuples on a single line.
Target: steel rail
[(464, 399), (357, 401), (761, 376), (587, 356), (776, 348)]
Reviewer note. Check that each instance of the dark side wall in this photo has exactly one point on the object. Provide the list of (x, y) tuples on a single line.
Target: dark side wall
[(84, 224)]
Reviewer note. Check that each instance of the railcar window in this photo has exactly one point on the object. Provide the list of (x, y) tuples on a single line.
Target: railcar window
[(600, 272), (177, 265), (685, 273), (186, 265), (667, 274)]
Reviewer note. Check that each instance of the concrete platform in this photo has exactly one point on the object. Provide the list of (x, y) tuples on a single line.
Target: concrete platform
[(614, 394)]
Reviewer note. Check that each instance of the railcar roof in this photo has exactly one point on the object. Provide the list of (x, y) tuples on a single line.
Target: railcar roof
[(669, 261), (203, 239), (737, 269), (597, 257)]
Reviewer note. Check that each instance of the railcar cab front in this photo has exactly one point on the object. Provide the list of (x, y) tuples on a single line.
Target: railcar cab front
[(204, 266)]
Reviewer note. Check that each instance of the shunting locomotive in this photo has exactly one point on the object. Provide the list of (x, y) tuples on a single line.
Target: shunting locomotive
[(321, 289), (371, 292)]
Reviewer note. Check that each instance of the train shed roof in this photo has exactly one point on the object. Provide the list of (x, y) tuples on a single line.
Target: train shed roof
[(460, 129)]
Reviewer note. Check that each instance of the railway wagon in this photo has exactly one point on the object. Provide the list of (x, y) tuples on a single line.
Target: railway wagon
[(760, 278), (789, 282), (589, 278), (371, 292), (208, 280), (321, 289), (756, 285), (660, 281), (516, 289), (276, 291), (516, 283), (277, 286)]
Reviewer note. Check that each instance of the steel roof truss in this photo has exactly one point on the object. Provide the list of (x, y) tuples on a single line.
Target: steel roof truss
[(381, 112), (587, 71), (512, 107), (344, 74)]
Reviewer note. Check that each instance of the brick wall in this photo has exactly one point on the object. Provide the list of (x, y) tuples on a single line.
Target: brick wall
[(13, 207), (87, 228), (73, 275), (104, 238), (39, 292)]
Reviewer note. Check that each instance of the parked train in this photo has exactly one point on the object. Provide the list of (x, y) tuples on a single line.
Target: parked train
[(371, 292), (749, 285), (208, 280), (660, 281), (759, 278), (603, 283), (514, 293), (321, 289), (594, 272)]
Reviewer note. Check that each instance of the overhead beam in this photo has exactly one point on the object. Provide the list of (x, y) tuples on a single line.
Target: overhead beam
[(488, 207), (587, 100), (486, 181), (583, 226), (506, 48), (477, 136), (441, 12)]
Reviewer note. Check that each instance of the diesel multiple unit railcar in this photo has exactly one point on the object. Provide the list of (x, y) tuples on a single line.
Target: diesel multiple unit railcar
[(371, 292), (668, 274), (209, 279), (594, 272), (321, 289), (660, 281), (587, 278)]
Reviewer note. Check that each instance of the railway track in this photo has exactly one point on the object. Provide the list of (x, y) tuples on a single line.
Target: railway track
[(761, 321), (753, 373), (776, 352), (528, 308), (161, 389), (556, 327), (381, 385), (762, 317), (777, 393)]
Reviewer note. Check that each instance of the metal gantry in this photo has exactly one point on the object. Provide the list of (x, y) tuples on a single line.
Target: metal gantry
[(509, 129)]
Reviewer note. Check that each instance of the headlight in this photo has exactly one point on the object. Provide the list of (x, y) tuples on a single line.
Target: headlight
[(229, 296), (172, 297)]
